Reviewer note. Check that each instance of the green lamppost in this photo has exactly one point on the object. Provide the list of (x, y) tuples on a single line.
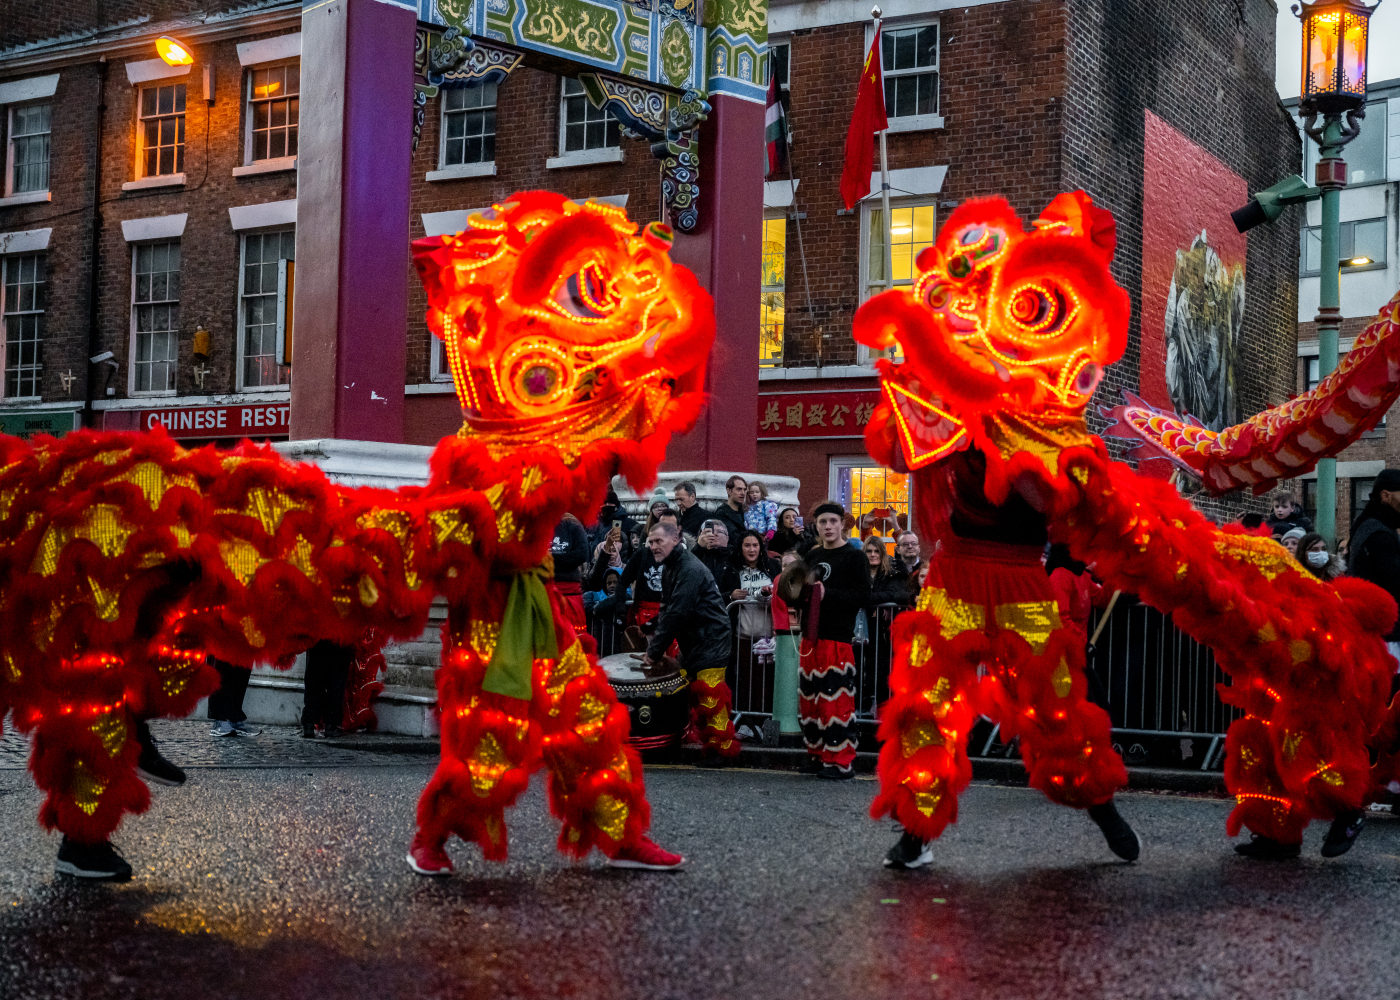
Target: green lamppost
[(1334, 88)]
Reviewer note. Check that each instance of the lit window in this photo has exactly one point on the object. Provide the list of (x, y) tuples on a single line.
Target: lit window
[(262, 303), (584, 126), (770, 344), (22, 305), (867, 489), (1360, 493), (468, 125), (273, 111), (29, 148), (909, 58), (162, 130), (1362, 241), (156, 316)]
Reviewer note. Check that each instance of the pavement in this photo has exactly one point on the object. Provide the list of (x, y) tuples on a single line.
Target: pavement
[(282, 875)]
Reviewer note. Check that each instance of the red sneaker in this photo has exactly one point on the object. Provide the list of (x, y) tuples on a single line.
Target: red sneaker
[(647, 854), (427, 858)]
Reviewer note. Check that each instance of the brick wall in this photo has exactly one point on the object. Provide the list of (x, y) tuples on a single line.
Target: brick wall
[(527, 134), (1208, 71), (1003, 71), (33, 20)]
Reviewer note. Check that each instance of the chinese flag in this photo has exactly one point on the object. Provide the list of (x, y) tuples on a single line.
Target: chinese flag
[(869, 118)]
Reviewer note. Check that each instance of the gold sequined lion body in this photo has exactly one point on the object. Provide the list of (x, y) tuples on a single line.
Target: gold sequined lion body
[(577, 348), (1005, 334)]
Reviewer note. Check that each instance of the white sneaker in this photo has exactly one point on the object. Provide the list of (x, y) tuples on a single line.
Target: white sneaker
[(222, 728), (243, 729)]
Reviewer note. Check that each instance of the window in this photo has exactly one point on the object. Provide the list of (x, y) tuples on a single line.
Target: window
[(261, 298), (863, 487), (909, 58), (1360, 493), (29, 148), (156, 316), (779, 54), (1364, 239), (1310, 499), (272, 111), (440, 371), (584, 126), (770, 343), (469, 124), (22, 302), (911, 229), (1365, 155), (162, 130)]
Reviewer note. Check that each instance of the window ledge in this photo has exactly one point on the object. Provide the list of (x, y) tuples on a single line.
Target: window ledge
[(263, 390), (430, 388), (830, 371), (165, 180), (916, 123), (28, 198), (584, 157), (153, 393), (272, 166), (460, 170)]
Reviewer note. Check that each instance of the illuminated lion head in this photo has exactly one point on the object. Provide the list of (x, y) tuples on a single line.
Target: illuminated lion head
[(564, 325), (999, 320)]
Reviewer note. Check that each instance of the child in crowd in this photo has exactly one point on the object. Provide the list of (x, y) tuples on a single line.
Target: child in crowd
[(760, 513)]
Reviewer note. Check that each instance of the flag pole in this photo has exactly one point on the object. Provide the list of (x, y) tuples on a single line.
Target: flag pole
[(801, 249), (875, 13)]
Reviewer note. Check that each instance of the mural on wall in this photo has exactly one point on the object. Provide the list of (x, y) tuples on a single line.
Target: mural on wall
[(1193, 287)]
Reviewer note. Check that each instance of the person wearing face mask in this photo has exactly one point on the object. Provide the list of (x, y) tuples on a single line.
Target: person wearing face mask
[(1312, 553)]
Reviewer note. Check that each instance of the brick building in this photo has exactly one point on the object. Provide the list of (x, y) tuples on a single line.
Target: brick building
[(160, 226), (1370, 245)]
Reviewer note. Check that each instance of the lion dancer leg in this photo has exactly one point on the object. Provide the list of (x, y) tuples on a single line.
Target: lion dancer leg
[(1037, 679), (711, 702), (924, 725), (492, 743)]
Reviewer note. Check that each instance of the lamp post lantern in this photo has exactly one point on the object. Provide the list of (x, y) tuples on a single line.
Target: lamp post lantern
[(1334, 86)]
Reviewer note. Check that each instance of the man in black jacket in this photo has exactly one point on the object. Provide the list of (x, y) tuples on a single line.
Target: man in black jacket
[(731, 512), (692, 514), (827, 681), (693, 617), (570, 551)]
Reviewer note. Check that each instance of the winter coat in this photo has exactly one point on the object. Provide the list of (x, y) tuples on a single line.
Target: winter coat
[(692, 615), (1375, 552)]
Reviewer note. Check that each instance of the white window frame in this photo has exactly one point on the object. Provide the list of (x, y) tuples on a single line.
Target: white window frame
[(455, 171), (157, 179), (868, 205), (438, 368), (5, 261), (580, 157), (1348, 227), (271, 164), (11, 195), (912, 123), (836, 463), (241, 318), (131, 389)]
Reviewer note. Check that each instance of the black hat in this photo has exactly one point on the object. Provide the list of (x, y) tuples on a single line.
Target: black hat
[(612, 500), (1387, 479)]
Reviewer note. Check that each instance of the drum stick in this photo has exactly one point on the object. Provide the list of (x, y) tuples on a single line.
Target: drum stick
[(1104, 620)]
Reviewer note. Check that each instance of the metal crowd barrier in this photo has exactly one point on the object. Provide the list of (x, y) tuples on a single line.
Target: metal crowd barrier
[(606, 630)]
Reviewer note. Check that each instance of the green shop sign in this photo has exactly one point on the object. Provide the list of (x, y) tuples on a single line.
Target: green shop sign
[(27, 423)]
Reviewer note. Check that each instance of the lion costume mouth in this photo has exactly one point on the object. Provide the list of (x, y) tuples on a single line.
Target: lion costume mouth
[(597, 335)]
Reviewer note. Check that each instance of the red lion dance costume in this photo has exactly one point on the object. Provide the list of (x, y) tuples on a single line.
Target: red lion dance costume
[(577, 349), (1005, 334)]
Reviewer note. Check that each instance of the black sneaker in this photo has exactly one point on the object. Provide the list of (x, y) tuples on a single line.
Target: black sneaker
[(812, 765), (94, 861), (910, 852), (1121, 839), (833, 773), (334, 732), (1263, 848), (1343, 833), (153, 767), (308, 731)]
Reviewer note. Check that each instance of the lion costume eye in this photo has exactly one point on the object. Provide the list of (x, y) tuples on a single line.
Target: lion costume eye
[(585, 294), (1036, 309)]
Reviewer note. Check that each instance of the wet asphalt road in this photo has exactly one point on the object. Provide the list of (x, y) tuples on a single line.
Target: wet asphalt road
[(289, 881)]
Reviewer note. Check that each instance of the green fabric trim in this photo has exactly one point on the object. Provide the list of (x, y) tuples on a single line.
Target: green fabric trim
[(527, 634)]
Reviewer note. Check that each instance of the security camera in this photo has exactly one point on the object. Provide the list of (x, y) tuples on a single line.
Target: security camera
[(104, 356), (1268, 205)]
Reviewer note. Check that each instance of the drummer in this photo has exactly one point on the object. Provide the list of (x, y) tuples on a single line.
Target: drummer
[(693, 616)]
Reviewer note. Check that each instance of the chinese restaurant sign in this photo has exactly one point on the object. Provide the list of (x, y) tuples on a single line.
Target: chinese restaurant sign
[(815, 414), (270, 420)]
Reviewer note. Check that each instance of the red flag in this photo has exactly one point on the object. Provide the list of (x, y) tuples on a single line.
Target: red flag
[(775, 128), (869, 118)]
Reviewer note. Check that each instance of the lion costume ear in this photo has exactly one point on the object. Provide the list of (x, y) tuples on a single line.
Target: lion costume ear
[(1077, 212)]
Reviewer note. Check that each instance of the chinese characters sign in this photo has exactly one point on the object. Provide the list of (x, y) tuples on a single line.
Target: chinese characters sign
[(815, 414)]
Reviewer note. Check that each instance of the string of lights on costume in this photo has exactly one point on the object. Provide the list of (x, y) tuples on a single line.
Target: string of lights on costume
[(1004, 336), (577, 350)]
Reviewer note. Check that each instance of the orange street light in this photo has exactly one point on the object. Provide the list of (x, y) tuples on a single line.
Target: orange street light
[(174, 51)]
